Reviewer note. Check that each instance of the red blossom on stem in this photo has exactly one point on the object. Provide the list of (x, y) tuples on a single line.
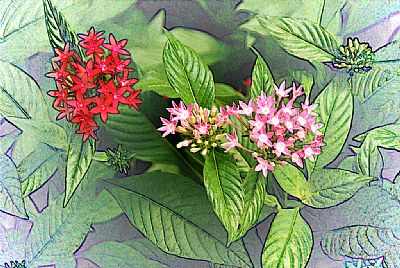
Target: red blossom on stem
[(95, 85)]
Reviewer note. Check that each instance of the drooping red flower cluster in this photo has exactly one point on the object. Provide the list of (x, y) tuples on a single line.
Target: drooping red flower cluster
[(94, 85)]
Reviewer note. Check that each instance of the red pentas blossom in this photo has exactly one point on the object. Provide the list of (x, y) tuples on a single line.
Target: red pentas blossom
[(93, 85)]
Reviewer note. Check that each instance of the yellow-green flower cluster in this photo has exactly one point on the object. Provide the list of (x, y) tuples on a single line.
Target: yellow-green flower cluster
[(355, 57)]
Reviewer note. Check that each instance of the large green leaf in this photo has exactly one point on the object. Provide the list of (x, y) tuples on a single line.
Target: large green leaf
[(388, 53), (20, 96), (188, 74), (175, 214), (362, 242), (330, 187), (136, 131), (261, 78), (335, 110), (254, 192), (369, 160), (280, 8), (289, 241), (58, 30), (292, 181), (365, 85), (59, 231), (11, 200), (225, 190), (38, 167), (301, 38), (117, 254), (23, 23), (227, 93), (79, 157), (158, 85)]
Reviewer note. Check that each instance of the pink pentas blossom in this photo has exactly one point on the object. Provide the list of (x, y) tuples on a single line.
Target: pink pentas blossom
[(203, 128), (233, 141), (264, 166), (281, 91), (169, 126), (247, 109), (297, 92), (281, 146), (297, 158)]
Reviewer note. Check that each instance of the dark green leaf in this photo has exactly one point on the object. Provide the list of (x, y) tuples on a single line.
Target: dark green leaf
[(175, 214), (254, 191), (58, 29), (289, 241), (11, 200), (79, 157), (335, 110), (225, 190), (261, 78), (188, 74), (292, 181), (330, 187), (301, 38)]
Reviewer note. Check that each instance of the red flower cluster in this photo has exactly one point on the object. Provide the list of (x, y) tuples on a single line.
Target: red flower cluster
[(95, 85)]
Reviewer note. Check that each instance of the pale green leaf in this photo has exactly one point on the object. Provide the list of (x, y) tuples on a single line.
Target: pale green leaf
[(281, 8), (175, 214), (330, 187), (225, 190), (107, 207), (23, 23), (8, 135), (360, 242), (20, 96), (79, 157), (289, 241), (292, 181), (301, 38), (160, 86), (366, 84), (116, 254), (11, 200), (37, 168), (188, 74), (335, 110), (227, 93), (261, 78), (388, 53)]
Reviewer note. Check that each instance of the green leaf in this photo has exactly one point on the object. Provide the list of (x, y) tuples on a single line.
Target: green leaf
[(59, 231), (388, 53), (254, 192), (369, 160), (365, 85), (161, 87), (11, 200), (58, 30), (289, 241), (335, 110), (360, 242), (225, 190), (20, 96), (107, 207), (188, 74), (8, 135), (37, 168), (301, 38), (23, 23), (306, 80), (261, 78), (292, 181), (363, 13), (330, 187), (175, 214), (135, 130), (227, 93), (280, 8), (79, 157), (116, 254)]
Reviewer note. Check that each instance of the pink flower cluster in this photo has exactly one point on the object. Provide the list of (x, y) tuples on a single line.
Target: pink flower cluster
[(203, 127), (280, 130)]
